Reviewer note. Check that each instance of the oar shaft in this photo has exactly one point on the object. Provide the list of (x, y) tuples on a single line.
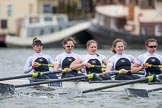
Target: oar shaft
[(51, 81), (28, 75), (15, 77), (156, 89), (149, 79), (115, 85), (117, 72)]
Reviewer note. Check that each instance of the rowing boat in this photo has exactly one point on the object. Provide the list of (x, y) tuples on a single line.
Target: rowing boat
[(85, 85)]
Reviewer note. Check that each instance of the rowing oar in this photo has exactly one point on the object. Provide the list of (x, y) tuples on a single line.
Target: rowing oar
[(120, 72), (115, 72), (140, 92), (49, 65), (148, 79), (103, 68), (97, 66), (6, 89), (35, 75), (151, 65)]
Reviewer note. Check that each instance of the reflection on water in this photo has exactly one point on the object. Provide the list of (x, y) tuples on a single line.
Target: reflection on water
[(12, 62)]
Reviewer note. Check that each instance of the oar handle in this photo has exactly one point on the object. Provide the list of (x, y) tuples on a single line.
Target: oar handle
[(151, 65), (38, 74), (49, 65), (103, 68), (97, 66)]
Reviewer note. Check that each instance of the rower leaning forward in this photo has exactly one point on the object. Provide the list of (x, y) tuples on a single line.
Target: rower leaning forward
[(150, 61), (33, 63)]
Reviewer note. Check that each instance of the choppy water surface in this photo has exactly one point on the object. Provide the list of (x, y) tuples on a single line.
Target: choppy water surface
[(12, 62)]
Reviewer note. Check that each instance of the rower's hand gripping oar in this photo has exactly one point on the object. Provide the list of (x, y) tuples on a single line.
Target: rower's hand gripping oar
[(148, 79), (36, 64), (10, 89)]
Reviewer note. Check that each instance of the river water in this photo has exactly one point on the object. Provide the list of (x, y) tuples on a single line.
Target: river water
[(12, 62)]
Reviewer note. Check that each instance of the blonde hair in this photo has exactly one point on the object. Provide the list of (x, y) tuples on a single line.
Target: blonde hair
[(115, 43), (90, 42)]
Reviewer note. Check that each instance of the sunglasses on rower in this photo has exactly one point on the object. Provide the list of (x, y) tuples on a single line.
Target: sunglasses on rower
[(152, 46), (70, 46)]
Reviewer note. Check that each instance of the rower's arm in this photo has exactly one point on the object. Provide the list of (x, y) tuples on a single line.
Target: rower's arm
[(108, 68), (28, 65), (105, 61), (136, 68), (76, 64)]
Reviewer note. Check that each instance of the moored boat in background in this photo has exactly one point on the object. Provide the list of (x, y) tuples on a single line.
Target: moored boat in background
[(134, 21), (51, 29)]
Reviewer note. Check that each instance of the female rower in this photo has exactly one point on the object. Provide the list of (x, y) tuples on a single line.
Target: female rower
[(145, 60), (90, 60), (33, 62), (121, 62), (64, 59)]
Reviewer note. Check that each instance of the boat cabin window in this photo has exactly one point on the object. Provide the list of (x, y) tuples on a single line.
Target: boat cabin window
[(47, 8), (9, 10), (146, 4), (41, 32), (102, 20), (60, 20), (34, 20), (143, 31), (97, 17), (158, 30), (112, 23), (48, 19), (51, 30), (3, 24)]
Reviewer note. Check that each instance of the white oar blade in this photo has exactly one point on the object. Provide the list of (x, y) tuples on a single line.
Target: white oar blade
[(136, 92), (6, 89)]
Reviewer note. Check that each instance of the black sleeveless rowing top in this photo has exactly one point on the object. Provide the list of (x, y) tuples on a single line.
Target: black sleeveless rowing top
[(123, 63), (96, 69), (66, 63), (153, 70), (41, 60)]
